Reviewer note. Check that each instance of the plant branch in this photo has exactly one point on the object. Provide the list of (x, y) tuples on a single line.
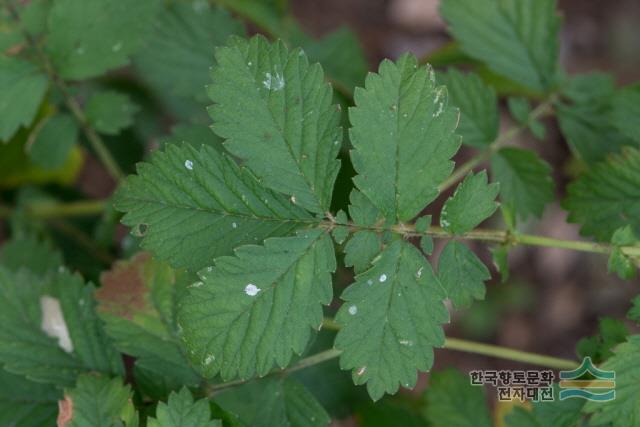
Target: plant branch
[(46, 210), (457, 175), (94, 139)]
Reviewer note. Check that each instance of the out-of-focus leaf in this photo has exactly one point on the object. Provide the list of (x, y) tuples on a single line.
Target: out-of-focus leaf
[(54, 141)]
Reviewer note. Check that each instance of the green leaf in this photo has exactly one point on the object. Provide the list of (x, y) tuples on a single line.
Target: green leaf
[(611, 332), (98, 401), (22, 87), (624, 410), (607, 196), (462, 274), (88, 37), (183, 191), (364, 245), (182, 411), (49, 331), (471, 203), (634, 311), (585, 120), (500, 255), (403, 138), (180, 49), (110, 112), (275, 112), (525, 181), (274, 402), (478, 106), (391, 320), (451, 401), (137, 301), (24, 403), (625, 111), (517, 39), (258, 308), (31, 254), (621, 264), (53, 142), (557, 413)]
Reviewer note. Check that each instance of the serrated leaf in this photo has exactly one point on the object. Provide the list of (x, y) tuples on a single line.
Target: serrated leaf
[(181, 410), (517, 39), (403, 138), (621, 265), (183, 191), (24, 403), (88, 37), (361, 249), (180, 48), (97, 401), (22, 87), (462, 274), (54, 141), (471, 203), (31, 254), (525, 181), (451, 401), (110, 112), (585, 121), (51, 339), (274, 110), (274, 402), (607, 196), (258, 308), (478, 106), (625, 111), (391, 320), (624, 410), (137, 302), (611, 332)]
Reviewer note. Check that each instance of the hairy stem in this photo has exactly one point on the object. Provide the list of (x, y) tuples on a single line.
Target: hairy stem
[(458, 174), (94, 139)]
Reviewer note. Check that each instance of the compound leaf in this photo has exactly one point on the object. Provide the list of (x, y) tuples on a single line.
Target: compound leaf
[(607, 196), (471, 203), (180, 410), (257, 308), (184, 191), (525, 181), (88, 37), (274, 402), (517, 39), (403, 137), (478, 106), (22, 87), (451, 401), (391, 320), (462, 274), (274, 110)]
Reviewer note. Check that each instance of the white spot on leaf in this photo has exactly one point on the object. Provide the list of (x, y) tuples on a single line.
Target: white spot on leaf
[(361, 371), (53, 323), (275, 82), (383, 278), (209, 359), (251, 290), (188, 164), (116, 47), (353, 310), (234, 225), (419, 272)]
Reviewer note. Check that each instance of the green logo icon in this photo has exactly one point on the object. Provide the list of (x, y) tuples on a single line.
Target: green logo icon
[(588, 382)]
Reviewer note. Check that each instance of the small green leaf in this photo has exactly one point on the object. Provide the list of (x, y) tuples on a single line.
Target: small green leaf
[(183, 191), (22, 87), (54, 141), (624, 410), (181, 411), (478, 106), (625, 111), (634, 311), (607, 196), (451, 401), (426, 244), (520, 109), (391, 320), (462, 274), (611, 332), (88, 37), (500, 256), (98, 401), (621, 264), (24, 403), (110, 112), (525, 181), (274, 402), (274, 110), (471, 203), (31, 254), (403, 138), (517, 39), (423, 223), (256, 309)]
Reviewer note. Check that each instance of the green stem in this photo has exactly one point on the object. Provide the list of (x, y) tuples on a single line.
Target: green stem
[(490, 350), (44, 210), (94, 139), (457, 175)]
